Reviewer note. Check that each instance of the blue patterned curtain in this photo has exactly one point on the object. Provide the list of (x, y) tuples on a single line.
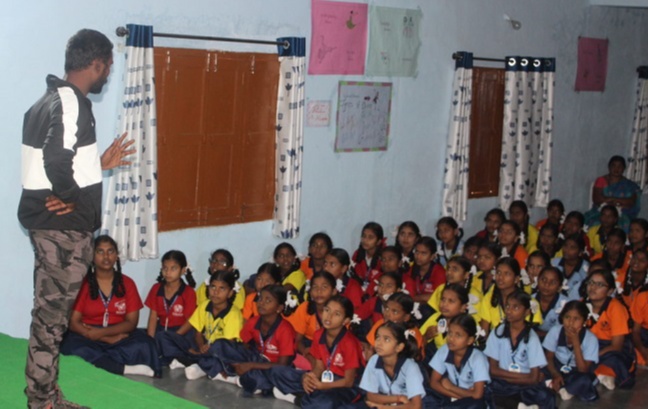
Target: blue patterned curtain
[(130, 210), (527, 131), (638, 159), (290, 138), (455, 178)]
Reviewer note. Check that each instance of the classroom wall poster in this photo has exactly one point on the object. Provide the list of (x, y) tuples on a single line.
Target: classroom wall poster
[(338, 38), (318, 113), (363, 116), (592, 64), (394, 41)]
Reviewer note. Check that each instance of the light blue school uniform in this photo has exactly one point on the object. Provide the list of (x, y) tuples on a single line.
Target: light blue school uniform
[(574, 282), (474, 367), (446, 254), (555, 342), (550, 318), (408, 379), (525, 356)]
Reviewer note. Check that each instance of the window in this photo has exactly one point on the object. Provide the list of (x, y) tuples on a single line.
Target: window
[(486, 132), (216, 136)]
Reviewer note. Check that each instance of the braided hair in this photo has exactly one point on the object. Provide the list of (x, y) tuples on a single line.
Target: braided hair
[(361, 253), (180, 258), (524, 299), (118, 288)]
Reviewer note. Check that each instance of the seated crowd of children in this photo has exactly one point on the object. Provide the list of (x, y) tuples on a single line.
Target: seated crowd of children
[(515, 316)]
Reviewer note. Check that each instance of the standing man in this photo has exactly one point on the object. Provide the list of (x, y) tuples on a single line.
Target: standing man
[(60, 204)]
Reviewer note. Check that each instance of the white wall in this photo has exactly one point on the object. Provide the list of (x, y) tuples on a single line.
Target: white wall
[(341, 191)]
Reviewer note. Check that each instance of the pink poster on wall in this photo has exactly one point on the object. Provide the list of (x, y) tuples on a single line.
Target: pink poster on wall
[(592, 64), (339, 38)]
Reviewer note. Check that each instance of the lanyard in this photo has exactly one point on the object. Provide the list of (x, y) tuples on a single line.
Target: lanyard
[(167, 308), (211, 329), (332, 354), (390, 381), (520, 342), (106, 302)]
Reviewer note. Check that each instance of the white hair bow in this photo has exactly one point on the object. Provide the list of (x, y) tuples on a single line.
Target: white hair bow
[(339, 285), (416, 311), (291, 301)]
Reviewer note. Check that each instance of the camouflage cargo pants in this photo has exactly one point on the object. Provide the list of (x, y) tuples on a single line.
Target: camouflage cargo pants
[(61, 262)]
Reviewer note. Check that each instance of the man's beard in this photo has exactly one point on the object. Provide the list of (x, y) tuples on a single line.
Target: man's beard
[(98, 86)]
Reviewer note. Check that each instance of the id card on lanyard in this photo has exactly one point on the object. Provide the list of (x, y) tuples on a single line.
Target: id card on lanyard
[(106, 302), (327, 375), (167, 308), (513, 366)]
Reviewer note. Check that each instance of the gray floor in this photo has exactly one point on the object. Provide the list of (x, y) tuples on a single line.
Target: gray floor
[(215, 394)]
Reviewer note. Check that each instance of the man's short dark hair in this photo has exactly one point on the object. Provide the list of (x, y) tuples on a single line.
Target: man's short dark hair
[(84, 47)]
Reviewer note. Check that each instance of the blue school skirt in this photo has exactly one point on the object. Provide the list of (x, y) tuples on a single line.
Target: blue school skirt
[(137, 349), (289, 380), (621, 362), (537, 394), (579, 384)]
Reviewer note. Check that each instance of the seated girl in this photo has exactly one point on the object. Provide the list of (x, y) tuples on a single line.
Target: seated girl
[(555, 214), (519, 214), (170, 300), (548, 239), (639, 313), (459, 370), (616, 253), (220, 260), (609, 322), (307, 319), (572, 351), (516, 358), (575, 224), (509, 238), (598, 234), (103, 327), (494, 219), (454, 301), (391, 262), (458, 271), (366, 258), (550, 298), (636, 277), (471, 247), (400, 309), (573, 264), (536, 261), (338, 361), (268, 273), (214, 319), (492, 308), (267, 341), (449, 235), (337, 263), (427, 273), (638, 235), (487, 257), (286, 259), (392, 376), (372, 309), (406, 238), (319, 246)]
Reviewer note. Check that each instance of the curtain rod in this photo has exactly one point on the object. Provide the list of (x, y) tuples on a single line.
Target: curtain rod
[(456, 56), (123, 31)]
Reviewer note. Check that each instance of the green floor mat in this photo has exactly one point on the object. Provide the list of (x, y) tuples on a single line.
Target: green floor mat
[(81, 382)]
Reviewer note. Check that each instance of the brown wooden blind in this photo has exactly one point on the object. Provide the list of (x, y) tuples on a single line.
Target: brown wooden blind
[(486, 131), (216, 136)]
